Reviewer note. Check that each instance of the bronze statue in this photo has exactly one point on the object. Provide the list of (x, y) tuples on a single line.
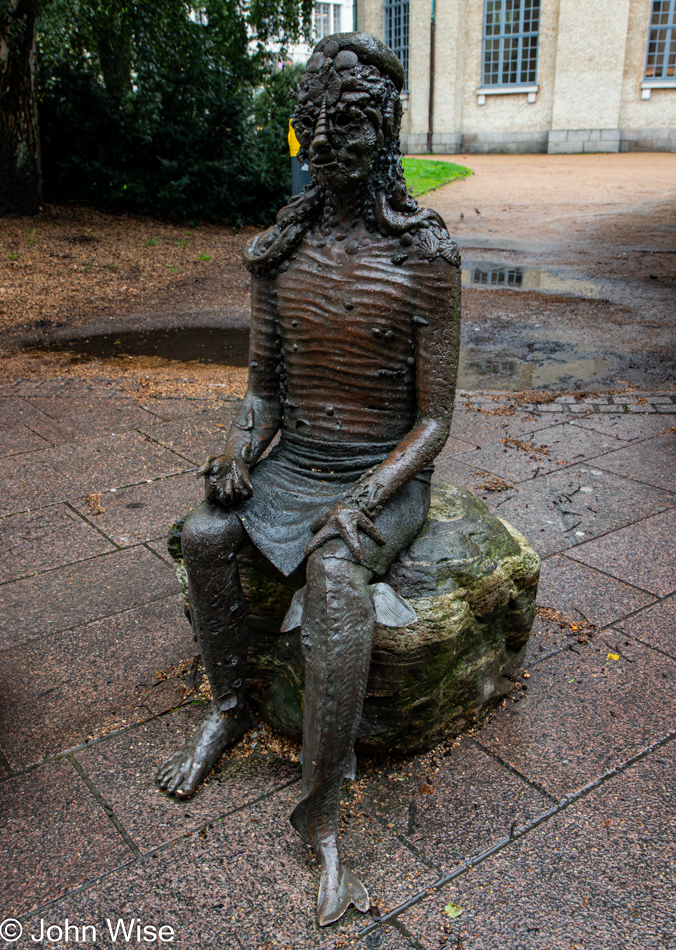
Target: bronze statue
[(355, 331)]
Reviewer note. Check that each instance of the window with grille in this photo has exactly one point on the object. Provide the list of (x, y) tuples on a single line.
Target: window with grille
[(661, 61), (327, 19), (511, 42), (396, 31)]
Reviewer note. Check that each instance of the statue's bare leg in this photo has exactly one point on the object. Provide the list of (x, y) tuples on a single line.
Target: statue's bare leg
[(337, 633), (210, 540)]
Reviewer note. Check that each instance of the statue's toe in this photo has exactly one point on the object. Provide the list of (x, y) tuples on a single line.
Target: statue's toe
[(169, 771)]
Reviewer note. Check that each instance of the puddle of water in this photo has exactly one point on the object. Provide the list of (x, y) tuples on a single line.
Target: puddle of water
[(184, 344), (227, 347), (543, 280), (478, 371)]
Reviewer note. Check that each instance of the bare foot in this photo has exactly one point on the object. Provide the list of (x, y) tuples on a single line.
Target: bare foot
[(183, 771)]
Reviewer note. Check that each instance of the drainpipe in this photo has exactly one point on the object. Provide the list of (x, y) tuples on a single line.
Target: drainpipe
[(430, 114)]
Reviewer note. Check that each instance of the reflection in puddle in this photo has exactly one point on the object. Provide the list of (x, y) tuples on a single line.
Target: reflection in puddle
[(226, 347), (549, 281), (185, 344), (480, 372), (497, 276)]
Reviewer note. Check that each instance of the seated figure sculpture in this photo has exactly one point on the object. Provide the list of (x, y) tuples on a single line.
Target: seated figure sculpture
[(355, 330)]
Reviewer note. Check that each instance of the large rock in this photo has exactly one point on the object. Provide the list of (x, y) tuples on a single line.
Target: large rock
[(471, 579)]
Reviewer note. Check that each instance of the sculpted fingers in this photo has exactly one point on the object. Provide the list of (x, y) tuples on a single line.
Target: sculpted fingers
[(327, 532), (350, 535), (368, 527), (206, 468)]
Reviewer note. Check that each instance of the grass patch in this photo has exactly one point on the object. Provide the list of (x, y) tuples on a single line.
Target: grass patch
[(425, 174)]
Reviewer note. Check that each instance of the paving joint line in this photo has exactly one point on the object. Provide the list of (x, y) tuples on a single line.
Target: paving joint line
[(110, 814), (106, 491), (510, 768), (413, 942), (91, 524), (84, 560), (46, 637), (499, 846), (167, 448), (669, 656), (83, 746), (143, 856)]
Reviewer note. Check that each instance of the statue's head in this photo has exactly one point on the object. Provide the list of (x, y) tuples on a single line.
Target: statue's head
[(347, 120), (348, 111)]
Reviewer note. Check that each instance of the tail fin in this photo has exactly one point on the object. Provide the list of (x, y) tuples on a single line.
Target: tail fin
[(335, 897)]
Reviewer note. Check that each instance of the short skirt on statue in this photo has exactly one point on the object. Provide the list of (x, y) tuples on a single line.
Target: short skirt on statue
[(301, 479)]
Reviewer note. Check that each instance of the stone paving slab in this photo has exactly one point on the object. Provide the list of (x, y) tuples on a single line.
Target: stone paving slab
[(146, 511), (70, 472), (656, 467), (617, 554), (584, 713), (246, 880), (46, 538), (87, 682), (169, 410), (16, 440), (197, 437), (53, 837), (582, 593), (69, 596), (480, 428), (553, 448), (123, 770), (74, 418), (251, 876), (655, 626), (19, 412), (567, 508), (447, 469), (628, 427), (597, 875), (460, 808)]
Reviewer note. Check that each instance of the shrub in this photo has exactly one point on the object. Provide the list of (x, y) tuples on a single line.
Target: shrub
[(151, 106)]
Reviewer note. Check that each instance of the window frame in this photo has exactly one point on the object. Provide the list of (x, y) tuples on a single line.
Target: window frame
[(333, 12), (670, 40), (520, 84), (403, 8)]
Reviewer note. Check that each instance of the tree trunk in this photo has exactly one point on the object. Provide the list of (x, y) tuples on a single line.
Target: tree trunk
[(20, 171)]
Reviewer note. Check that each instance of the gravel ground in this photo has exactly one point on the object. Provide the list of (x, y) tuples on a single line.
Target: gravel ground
[(594, 236)]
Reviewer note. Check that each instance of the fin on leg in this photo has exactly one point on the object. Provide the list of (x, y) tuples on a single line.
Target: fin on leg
[(294, 615)]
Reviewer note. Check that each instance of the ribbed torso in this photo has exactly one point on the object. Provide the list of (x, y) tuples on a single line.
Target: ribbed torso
[(348, 343)]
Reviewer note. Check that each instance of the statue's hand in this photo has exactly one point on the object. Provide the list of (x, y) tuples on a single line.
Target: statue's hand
[(344, 521), (226, 481)]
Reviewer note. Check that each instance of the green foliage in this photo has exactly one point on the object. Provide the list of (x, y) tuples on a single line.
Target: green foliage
[(424, 174), (168, 108)]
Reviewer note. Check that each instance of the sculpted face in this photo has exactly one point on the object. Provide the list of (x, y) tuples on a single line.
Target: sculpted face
[(339, 119)]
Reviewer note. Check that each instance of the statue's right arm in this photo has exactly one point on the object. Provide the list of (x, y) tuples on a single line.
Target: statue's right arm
[(227, 480)]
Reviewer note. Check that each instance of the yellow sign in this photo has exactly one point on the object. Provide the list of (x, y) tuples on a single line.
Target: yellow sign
[(294, 144)]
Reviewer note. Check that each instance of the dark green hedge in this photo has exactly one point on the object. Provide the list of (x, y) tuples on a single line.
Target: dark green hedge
[(143, 108)]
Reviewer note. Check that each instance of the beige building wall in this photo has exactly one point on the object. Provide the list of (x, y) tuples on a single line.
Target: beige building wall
[(589, 95), (645, 123)]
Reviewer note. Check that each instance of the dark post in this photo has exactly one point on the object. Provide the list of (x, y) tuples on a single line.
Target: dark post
[(20, 172), (430, 118)]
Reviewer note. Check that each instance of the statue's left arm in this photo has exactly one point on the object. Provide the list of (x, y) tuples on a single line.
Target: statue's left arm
[(437, 324)]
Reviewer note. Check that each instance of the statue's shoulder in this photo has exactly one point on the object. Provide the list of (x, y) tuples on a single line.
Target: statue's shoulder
[(432, 242)]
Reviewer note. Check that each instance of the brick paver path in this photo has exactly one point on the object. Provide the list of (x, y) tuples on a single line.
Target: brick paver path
[(550, 824)]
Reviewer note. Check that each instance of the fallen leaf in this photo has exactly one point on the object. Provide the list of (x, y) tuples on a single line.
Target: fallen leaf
[(453, 910)]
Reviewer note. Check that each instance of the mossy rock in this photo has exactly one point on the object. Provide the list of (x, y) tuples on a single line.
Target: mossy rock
[(471, 579)]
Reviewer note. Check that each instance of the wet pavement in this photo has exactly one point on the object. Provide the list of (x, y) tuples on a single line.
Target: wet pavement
[(550, 824)]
